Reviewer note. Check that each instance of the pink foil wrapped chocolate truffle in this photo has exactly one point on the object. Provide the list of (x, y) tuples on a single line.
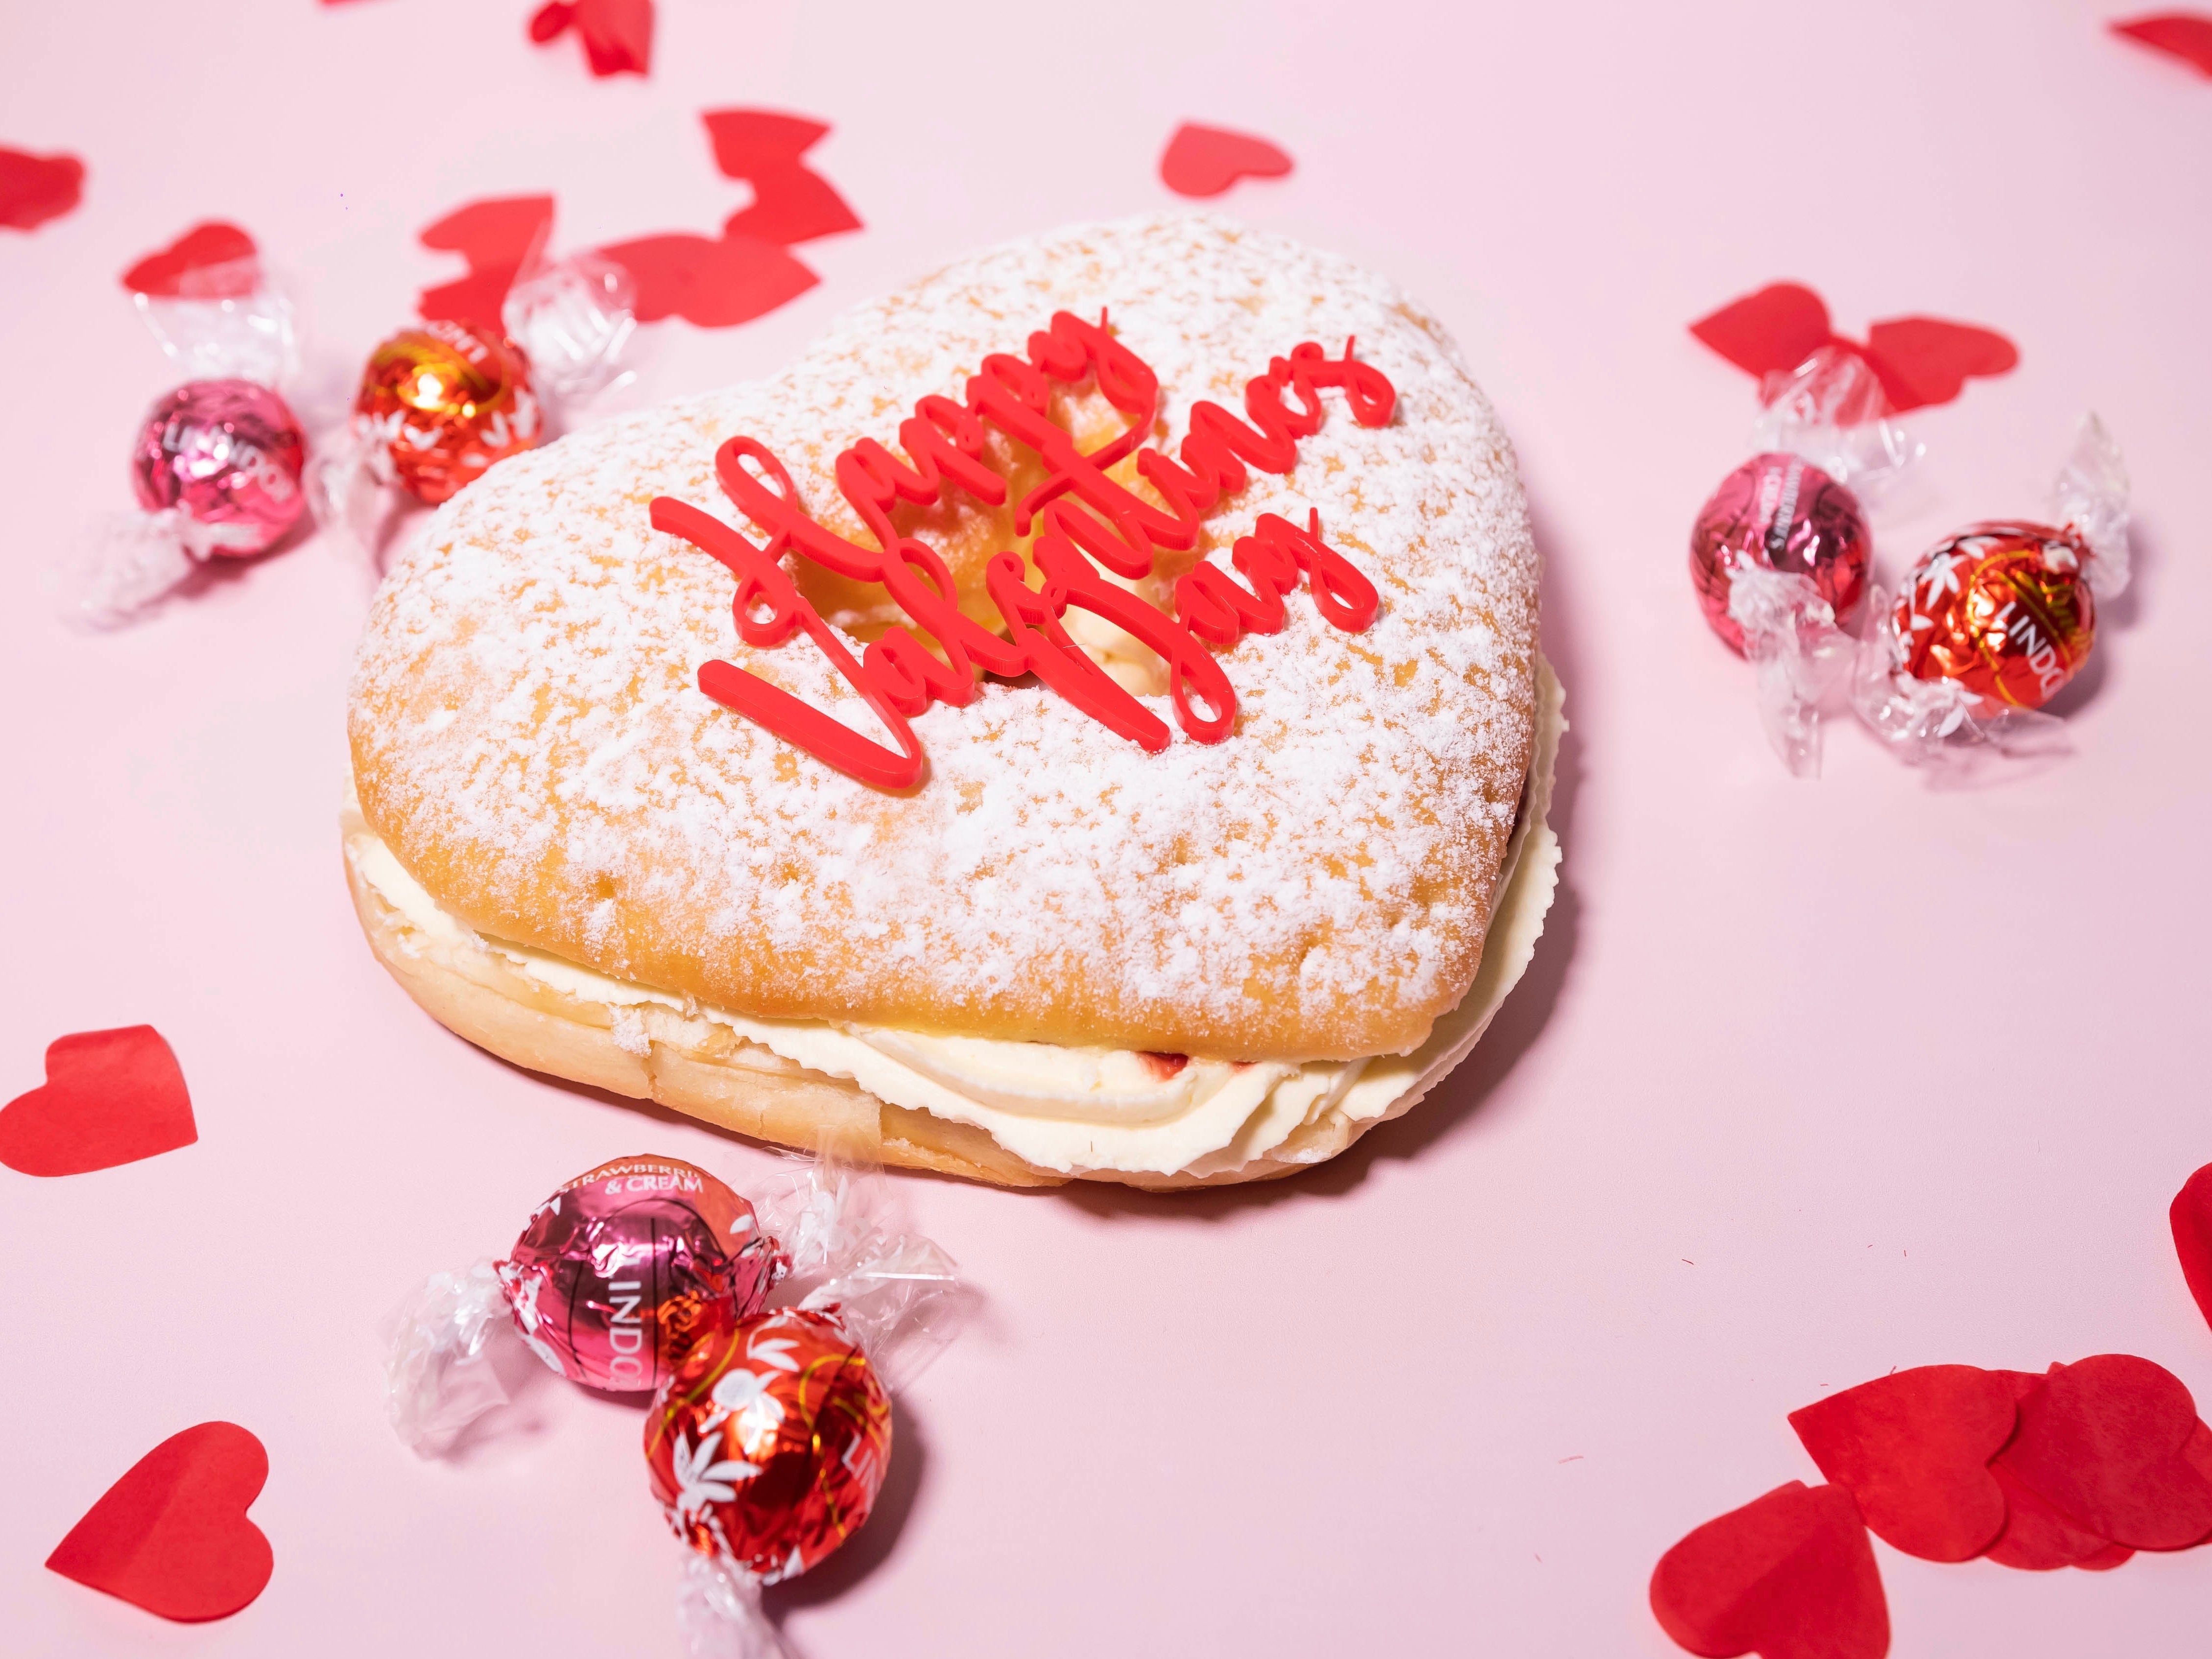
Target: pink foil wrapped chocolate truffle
[(622, 1271)]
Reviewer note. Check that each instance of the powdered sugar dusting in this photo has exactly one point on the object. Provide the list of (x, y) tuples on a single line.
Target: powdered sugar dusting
[(529, 737)]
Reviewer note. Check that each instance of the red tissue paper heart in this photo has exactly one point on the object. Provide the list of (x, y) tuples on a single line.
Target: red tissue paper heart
[(1919, 361), (617, 34), (2185, 34), (36, 188), (712, 283), (1206, 160), (1768, 333), (110, 1097), (171, 1536), (498, 238), (2111, 1443), (791, 203), (2191, 1218), (213, 261), (1913, 1449), (1789, 1575)]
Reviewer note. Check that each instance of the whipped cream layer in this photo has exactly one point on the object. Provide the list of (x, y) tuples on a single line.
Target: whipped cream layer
[(1066, 1110)]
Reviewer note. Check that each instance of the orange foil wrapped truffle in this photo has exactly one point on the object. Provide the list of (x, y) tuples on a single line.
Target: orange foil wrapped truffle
[(2002, 609), (439, 404), (768, 1445)]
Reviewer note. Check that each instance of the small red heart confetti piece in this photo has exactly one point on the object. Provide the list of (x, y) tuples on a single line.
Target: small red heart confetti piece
[(791, 203), (2190, 1215), (617, 34), (1921, 361), (2107, 1442), (2184, 34), (1206, 160), (1913, 1450), (2037, 1539), (36, 188), (498, 238), (713, 284), (171, 1535), (1789, 1575), (213, 261), (1770, 332), (110, 1097)]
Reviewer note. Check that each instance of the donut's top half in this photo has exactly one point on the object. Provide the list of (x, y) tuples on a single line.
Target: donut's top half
[(529, 736)]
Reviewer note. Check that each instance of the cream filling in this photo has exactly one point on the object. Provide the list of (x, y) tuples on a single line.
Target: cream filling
[(1067, 1109)]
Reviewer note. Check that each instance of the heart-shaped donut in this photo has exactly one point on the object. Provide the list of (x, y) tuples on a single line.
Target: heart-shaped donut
[(1083, 719)]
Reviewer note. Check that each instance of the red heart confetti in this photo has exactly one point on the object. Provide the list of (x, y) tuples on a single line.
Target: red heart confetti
[(2106, 1442), (110, 1097), (498, 238), (1206, 160), (2037, 1539), (2184, 34), (711, 283), (1913, 1450), (2191, 1219), (791, 203), (36, 188), (617, 34), (1919, 361), (1768, 333), (213, 261), (1789, 1575), (171, 1535)]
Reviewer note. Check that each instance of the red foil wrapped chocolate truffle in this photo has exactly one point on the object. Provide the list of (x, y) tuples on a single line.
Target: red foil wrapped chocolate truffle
[(623, 1270), (769, 1445), (1994, 620), (439, 404), (1778, 512), (2002, 609), (226, 455)]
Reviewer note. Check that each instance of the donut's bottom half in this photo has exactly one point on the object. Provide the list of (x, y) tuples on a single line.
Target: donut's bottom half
[(745, 1087)]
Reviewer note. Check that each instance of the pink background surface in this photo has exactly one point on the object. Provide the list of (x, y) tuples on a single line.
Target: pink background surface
[(1806, 1083)]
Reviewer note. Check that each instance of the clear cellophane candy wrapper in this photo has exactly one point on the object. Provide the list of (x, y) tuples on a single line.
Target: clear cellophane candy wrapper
[(1779, 555), (569, 329), (218, 463), (1989, 625)]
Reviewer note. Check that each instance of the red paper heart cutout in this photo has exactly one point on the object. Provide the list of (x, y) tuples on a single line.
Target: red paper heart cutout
[(1918, 359), (110, 1097), (791, 203), (1206, 160), (171, 1535), (36, 188), (1789, 1575), (2107, 1443), (1913, 1449), (2191, 1219), (1924, 360), (498, 238), (1770, 332), (2036, 1537), (617, 34), (2182, 34), (213, 261), (712, 283)]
